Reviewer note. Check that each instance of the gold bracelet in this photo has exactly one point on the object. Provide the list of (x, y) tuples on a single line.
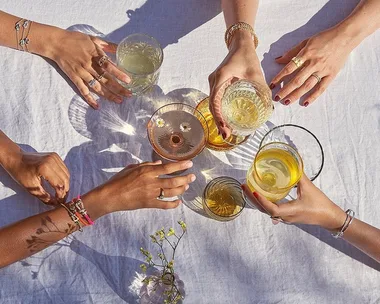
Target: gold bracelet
[(240, 26)]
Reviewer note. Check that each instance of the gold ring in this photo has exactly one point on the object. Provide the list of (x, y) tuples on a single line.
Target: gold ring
[(102, 60), (298, 62), (319, 79)]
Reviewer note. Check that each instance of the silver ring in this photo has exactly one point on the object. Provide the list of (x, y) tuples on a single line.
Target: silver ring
[(161, 196), (102, 60), (100, 77), (319, 79), (92, 82)]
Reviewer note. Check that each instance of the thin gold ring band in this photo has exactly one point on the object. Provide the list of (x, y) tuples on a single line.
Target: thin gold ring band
[(319, 79)]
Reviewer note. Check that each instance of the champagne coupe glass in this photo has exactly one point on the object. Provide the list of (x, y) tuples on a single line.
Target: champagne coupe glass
[(216, 141), (177, 132)]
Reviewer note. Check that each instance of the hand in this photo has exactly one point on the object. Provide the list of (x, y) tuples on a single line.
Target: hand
[(138, 186), (323, 55), (78, 56), (240, 63), (29, 169), (311, 207)]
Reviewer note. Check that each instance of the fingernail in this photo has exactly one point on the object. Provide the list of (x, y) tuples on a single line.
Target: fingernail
[(159, 162), (189, 164), (278, 57), (193, 178), (272, 86), (243, 187), (277, 98), (187, 187), (224, 135), (287, 102), (255, 194), (306, 104), (274, 222), (118, 99), (95, 106)]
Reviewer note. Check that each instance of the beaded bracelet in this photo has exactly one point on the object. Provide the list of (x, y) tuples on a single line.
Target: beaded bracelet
[(78, 204), (239, 26), (78, 213), (349, 218), (73, 217)]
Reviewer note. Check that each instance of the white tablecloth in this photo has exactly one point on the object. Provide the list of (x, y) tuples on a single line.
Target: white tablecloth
[(243, 261)]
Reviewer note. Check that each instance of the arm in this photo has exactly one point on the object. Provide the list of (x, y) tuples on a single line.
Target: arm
[(325, 54), (241, 60), (135, 187), (29, 170), (75, 53), (313, 207)]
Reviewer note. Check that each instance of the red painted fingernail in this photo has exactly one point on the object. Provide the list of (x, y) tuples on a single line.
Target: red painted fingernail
[(224, 135), (96, 106), (277, 98), (243, 187), (255, 194), (221, 123), (278, 57), (272, 86), (287, 102), (306, 104)]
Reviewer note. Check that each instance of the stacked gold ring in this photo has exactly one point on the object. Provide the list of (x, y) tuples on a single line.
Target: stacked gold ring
[(240, 26), (297, 61)]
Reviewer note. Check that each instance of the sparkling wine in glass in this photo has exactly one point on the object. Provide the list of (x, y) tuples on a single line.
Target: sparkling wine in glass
[(177, 132)]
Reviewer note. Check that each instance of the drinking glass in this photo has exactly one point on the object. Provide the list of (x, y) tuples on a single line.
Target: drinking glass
[(277, 168), (246, 105), (140, 56), (223, 199), (177, 132), (302, 140), (216, 141)]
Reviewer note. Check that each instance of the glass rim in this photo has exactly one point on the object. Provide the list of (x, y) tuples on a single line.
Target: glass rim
[(304, 129), (145, 35), (242, 194), (194, 110), (293, 150)]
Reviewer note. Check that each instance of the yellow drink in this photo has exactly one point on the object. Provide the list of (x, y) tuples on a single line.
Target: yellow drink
[(275, 171), (241, 113), (140, 56), (223, 199), (215, 141), (246, 106), (137, 63)]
